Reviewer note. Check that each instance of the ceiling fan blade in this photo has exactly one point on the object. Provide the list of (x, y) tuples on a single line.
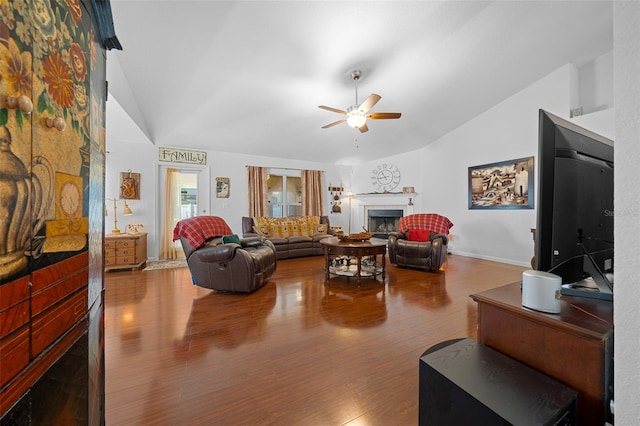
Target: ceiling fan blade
[(363, 128), (339, 111), (369, 102), (383, 115), (335, 123)]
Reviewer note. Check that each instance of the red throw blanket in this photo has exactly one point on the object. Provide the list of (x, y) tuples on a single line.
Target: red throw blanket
[(429, 221), (197, 230)]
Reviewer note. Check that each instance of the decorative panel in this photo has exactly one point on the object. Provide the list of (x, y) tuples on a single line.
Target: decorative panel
[(52, 151)]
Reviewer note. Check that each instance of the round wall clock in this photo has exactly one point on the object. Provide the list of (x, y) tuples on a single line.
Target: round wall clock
[(385, 177)]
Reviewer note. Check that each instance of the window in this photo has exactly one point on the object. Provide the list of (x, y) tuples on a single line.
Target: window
[(188, 183), (284, 194)]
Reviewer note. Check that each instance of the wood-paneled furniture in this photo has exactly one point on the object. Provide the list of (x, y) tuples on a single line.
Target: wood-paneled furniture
[(574, 346), (125, 251), (333, 247)]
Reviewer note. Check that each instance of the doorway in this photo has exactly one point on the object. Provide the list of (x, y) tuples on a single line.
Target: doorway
[(184, 193)]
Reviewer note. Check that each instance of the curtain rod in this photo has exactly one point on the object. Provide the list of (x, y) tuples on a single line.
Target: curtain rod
[(283, 168)]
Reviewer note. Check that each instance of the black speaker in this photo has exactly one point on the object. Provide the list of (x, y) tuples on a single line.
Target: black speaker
[(465, 383)]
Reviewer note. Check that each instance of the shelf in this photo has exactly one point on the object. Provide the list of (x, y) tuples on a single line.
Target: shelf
[(386, 194), (352, 270)]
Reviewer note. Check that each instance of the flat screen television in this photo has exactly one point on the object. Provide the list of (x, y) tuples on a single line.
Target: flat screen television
[(574, 222)]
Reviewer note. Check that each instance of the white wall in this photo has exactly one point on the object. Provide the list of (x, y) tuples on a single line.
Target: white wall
[(439, 171), (143, 158), (626, 303), (596, 84)]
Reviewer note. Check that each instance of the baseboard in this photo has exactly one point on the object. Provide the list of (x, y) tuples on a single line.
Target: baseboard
[(493, 259)]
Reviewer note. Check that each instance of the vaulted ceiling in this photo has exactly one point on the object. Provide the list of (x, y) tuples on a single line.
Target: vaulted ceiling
[(248, 76)]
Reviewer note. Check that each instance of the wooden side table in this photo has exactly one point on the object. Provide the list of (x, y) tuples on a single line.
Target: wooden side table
[(125, 251), (572, 346), (357, 250)]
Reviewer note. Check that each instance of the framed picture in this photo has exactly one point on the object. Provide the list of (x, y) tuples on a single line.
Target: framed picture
[(503, 185), (129, 185), (222, 187)]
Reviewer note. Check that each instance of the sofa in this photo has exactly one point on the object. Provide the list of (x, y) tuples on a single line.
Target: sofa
[(292, 236), (222, 261), (421, 241)]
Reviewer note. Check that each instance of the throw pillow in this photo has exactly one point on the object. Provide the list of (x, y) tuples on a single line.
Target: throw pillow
[(419, 235), (263, 230), (320, 228), (228, 239)]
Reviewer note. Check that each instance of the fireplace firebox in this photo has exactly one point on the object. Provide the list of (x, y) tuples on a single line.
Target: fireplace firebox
[(383, 221)]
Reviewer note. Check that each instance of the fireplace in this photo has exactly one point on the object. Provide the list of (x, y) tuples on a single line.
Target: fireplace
[(382, 221)]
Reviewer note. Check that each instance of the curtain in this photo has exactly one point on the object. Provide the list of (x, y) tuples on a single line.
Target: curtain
[(258, 191), (170, 249), (311, 193)]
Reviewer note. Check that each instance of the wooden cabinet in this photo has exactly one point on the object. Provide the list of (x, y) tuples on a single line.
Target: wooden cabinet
[(574, 347), (125, 251)]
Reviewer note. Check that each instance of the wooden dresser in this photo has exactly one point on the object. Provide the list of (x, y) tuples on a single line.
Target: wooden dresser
[(125, 251), (572, 347)]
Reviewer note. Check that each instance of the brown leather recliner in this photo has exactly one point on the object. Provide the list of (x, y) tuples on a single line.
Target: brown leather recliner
[(239, 267), (427, 251)]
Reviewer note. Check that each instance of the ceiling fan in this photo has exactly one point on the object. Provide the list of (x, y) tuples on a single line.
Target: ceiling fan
[(357, 115)]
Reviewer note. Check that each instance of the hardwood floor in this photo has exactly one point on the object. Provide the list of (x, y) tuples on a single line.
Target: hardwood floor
[(296, 352)]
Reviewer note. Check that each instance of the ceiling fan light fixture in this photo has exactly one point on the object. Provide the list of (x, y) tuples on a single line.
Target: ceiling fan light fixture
[(356, 121), (355, 118)]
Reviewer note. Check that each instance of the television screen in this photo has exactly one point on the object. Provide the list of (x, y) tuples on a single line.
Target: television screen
[(574, 226)]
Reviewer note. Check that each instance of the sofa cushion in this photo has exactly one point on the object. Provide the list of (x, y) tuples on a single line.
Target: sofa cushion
[(279, 241)]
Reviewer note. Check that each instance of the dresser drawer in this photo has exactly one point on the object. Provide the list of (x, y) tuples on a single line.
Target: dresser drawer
[(125, 252), (126, 260), (122, 244)]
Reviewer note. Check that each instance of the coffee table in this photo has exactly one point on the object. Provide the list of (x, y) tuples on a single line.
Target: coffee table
[(334, 249)]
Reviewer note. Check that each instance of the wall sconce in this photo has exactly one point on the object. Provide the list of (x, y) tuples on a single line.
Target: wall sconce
[(57, 122), (22, 102), (126, 211)]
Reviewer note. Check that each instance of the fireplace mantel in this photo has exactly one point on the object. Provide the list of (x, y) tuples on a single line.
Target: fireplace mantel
[(382, 201), (386, 194)]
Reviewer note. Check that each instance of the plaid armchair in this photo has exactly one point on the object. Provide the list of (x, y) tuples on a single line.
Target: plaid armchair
[(421, 241)]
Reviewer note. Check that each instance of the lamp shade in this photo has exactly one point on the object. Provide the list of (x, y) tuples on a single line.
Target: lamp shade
[(356, 120)]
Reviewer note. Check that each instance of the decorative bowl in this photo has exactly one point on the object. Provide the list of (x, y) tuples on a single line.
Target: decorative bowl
[(360, 236)]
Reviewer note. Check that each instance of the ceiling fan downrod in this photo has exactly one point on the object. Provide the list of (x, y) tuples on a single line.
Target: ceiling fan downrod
[(355, 76)]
